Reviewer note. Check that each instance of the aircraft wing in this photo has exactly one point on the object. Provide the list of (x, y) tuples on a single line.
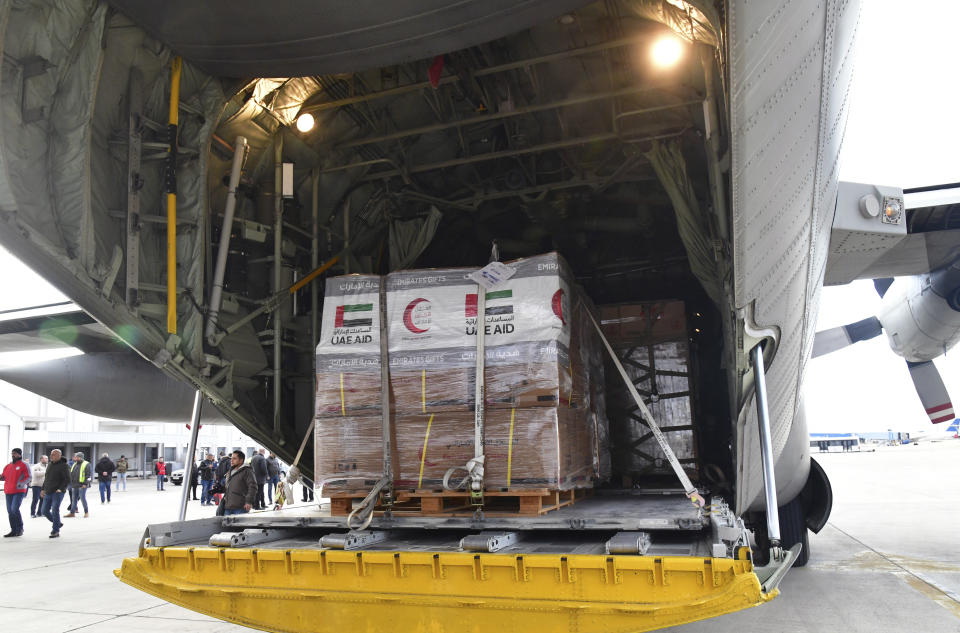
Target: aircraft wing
[(53, 325), (108, 380), (870, 247), (916, 254)]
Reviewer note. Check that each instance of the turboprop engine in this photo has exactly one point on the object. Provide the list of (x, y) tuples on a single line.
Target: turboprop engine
[(921, 318), (921, 315)]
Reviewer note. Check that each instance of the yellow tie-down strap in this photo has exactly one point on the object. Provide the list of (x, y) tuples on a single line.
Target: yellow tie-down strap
[(423, 454), (334, 590)]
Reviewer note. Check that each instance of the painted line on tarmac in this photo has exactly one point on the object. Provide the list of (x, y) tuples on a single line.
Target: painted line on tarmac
[(60, 563), (947, 599), (132, 614)]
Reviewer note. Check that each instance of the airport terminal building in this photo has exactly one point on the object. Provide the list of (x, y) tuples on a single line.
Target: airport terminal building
[(39, 425)]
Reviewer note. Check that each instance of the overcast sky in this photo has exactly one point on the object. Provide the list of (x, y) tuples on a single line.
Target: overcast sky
[(903, 130)]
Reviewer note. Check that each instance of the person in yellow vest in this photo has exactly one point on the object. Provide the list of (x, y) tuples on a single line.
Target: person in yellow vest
[(81, 473)]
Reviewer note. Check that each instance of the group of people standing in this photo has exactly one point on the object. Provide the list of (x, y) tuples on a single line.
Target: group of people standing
[(214, 477), (52, 478), (81, 474), (230, 483)]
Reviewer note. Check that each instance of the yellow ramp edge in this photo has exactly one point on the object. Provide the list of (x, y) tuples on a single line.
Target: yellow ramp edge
[(294, 591)]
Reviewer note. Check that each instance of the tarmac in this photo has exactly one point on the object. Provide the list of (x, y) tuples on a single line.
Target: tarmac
[(886, 561)]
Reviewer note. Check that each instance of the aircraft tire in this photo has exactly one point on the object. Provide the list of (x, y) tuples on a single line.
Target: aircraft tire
[(793, 530)]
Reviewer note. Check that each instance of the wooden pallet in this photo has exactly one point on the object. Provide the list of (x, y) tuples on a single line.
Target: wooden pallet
[(445, 503)]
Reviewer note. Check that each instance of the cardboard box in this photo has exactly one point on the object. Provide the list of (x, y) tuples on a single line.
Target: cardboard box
[(348, 354), (529, 375), (649, 322), (348, 393), (436, 310), (348, 452), (540, 447)]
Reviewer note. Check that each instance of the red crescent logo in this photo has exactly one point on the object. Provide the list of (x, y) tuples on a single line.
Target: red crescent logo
[(558, 305), (408, 316)]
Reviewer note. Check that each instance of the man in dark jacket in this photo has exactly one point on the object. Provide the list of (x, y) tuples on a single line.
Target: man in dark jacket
[(307, 486), (273, 475), (194, 475), (105, 468), (223, 467), (241, 486), (207, 473), (55, 483), (259, 465), (220, 474)]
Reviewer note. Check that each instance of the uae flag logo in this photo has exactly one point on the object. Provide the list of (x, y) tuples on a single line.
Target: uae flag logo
[(470, 308), (356, 315)]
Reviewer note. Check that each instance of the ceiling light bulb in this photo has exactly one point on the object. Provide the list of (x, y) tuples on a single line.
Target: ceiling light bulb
[(667, 51), (305, 122)]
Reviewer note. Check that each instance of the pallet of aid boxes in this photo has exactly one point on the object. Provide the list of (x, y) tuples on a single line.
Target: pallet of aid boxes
[(348, 442), (544, 428), (652, 342)]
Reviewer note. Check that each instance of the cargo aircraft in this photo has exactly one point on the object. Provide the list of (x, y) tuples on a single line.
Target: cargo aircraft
[(187, 173)]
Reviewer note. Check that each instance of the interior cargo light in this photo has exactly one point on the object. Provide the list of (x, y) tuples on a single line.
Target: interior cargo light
[(305, 122), (667, 51)]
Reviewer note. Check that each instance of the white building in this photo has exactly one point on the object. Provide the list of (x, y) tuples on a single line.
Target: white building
[(39, 425)]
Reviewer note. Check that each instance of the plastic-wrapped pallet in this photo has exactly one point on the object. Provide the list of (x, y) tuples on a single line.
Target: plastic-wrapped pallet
[(651, 340), (587, 348), (348, 451), (543, 427), (432, 326), (348, 353)]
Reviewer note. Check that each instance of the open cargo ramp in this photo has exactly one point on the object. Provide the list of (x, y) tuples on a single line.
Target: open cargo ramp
[(329, 590), (545, 577)]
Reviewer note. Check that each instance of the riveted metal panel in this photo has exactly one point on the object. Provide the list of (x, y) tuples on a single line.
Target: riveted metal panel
[(790, 71)]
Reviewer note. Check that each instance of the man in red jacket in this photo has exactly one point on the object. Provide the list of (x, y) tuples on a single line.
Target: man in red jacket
[(16, 483), (160, 470)]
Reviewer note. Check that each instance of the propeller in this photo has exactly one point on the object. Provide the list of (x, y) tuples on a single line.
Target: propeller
[(882, 285), (836, 338), (926, 378), (931, 390)]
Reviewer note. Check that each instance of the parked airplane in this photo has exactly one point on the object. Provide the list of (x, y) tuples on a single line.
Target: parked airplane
[(938, 434), (702, 167)]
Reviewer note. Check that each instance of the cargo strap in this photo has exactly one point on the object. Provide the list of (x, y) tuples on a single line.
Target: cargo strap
[(364, 511), (385, 398), (688, 488), (285, 488), (474, 470), (474, 467), (423, 453)]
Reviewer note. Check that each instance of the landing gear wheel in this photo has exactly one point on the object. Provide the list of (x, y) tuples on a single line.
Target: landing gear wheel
[(793, 530)]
